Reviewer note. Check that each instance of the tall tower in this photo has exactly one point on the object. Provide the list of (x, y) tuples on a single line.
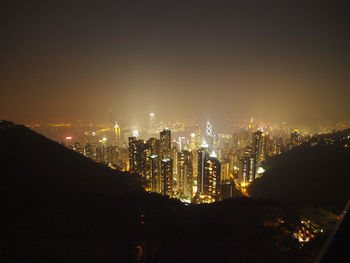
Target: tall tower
[(165, 143), (117, 134), (251, 125), (258, 151), (208, 177), (152, 123), (203, 155), (166, 177), (135, 155), (155, 174), (209, 135)]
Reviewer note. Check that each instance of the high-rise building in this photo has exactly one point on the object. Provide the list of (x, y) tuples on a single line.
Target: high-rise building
[(246, 172), (155, 145), (174, 157), (117, 136), (152, 124), (209, 136), (135, 155), (258, 151), (185, 175), (155, 174), (165, 144), (251, 125), (225, 171), (88, 151), (203, 155), (208, 189), (198, 139), (166, 177)]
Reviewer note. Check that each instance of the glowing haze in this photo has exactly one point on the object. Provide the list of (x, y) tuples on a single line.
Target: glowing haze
[(276, 60)]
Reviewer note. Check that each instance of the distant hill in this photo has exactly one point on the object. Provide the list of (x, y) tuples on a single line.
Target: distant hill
[(318, 171), (58, 206)]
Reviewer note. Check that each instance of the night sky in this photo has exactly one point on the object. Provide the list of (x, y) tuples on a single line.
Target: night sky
[(204, 60)]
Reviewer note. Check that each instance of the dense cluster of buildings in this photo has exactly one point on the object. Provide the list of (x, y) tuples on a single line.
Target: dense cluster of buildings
[(204, 167)]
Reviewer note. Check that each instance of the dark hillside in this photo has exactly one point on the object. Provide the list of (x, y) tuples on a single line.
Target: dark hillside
[(316, 172), (58, 206)]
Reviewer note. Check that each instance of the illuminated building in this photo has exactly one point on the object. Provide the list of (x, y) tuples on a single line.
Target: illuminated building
[(192, 145), (139, 158), (203, 155), (246, 170), (251, 125), (78, 148), (135, 155), (294, 139), (117, 134), (106, 155), (258, 151), (152, 124), (165, 143), (155, 174), (198, 137), (247, 167), (185, 175), (88, 151), (209, 135), (225, 171), (174, 158), (166, 177), (146, 152), (208, 188), (155, 145)]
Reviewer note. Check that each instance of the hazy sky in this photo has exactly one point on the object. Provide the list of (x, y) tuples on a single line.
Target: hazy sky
[(219, 60)]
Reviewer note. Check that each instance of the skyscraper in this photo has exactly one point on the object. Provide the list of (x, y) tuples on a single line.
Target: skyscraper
[(117, 137), (209, 136), (208, 189), (166, 177), (135, 155), (203, 155), (165, 143), (185, 175), (258, 151), (155, 174)]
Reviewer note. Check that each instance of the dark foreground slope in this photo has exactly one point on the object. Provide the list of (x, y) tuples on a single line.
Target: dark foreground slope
[(58, 206), (317, 172)]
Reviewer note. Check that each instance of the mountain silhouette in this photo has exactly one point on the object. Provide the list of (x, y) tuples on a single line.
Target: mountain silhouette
[(59, 206), (315, 172)]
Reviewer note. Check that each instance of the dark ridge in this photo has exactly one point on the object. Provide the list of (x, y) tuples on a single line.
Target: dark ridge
[(58, 206), (316, 172)]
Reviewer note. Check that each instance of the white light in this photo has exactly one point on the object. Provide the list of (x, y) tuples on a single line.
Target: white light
[(261, 170), (135, 133), (104, 139), (116, 126), (204, 144), (213, 154)]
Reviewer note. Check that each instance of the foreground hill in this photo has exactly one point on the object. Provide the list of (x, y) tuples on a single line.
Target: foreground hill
[(58, 206), (316, 172)]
